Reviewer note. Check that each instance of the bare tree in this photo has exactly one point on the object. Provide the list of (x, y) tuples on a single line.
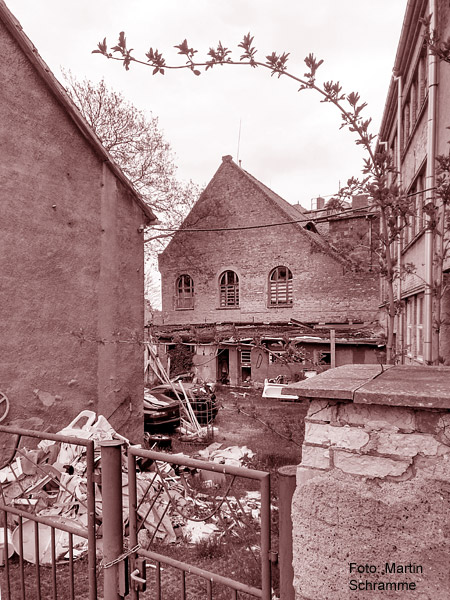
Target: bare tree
[(137, 144)]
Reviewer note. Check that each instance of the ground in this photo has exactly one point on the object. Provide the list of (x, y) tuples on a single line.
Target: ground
[(273, 430)]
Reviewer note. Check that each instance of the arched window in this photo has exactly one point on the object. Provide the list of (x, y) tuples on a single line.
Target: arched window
[(280, 286), (184, 292), (229, 289)]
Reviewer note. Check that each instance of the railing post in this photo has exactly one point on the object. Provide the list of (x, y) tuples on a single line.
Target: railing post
[(111, 456), (286, 491), (266, 575)]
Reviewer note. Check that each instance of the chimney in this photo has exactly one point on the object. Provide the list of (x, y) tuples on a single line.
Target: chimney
[(227, 158), (317, 203)]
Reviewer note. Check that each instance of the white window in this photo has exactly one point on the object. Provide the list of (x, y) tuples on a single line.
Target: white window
[(414, 326)]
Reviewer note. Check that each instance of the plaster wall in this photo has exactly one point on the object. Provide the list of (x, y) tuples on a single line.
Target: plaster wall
[(372, 488), (71, 260)]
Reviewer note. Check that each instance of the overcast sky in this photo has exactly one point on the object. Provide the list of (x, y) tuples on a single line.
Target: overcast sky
[(288, 140)]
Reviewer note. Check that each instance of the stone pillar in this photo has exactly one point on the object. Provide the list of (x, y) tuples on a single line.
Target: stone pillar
[(371, 510)]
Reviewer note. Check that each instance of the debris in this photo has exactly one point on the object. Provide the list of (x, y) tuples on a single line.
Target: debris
[(233, 455), (172, 505)]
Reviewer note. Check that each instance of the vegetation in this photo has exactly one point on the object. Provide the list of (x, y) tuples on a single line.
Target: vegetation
[(181, 358), (389, 201), (137, 144)]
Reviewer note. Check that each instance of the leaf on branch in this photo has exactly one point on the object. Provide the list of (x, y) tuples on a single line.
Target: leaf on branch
[(156, 60), (102, 48), (184, 49), (277, 63), (313, 64), (353, 98), (249, 50)]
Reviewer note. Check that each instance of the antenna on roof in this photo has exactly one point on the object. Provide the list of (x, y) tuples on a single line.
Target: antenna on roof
[(239, 144)]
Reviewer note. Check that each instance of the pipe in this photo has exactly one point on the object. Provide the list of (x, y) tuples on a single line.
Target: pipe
[(111, 457), (430, 183), (399, 241)]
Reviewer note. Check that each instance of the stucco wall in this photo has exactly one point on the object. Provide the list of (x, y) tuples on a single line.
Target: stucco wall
[(323, 288), (71, 261)]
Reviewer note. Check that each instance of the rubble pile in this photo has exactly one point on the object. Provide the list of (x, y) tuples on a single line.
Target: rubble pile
[(175, 504)]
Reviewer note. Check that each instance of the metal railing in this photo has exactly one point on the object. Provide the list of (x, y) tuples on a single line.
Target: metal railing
[(34, 588), (210, 578)]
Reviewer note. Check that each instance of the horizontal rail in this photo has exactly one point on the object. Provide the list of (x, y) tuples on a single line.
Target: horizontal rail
[(202, 465), (54, 437), (51, 522), (208, 575)]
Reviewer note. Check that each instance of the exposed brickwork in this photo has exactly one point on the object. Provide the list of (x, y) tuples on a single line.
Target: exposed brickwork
[(324, 288)]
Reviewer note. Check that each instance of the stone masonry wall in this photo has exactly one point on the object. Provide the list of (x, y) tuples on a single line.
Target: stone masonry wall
[(373, 491)]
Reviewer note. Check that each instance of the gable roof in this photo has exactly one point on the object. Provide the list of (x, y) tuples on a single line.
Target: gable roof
[(297, 216), (60, 94), (294, 213)]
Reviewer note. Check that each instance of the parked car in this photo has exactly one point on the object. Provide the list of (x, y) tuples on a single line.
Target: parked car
[(161, 413), (201, 396)]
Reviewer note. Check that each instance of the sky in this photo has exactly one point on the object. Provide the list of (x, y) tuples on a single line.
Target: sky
[(287, 139)]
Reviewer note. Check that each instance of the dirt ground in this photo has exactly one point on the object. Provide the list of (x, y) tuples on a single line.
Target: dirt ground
[(272, 429)]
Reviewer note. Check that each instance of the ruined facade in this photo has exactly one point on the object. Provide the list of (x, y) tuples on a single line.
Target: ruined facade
[(71, 256), (246, 257), (414, 129)]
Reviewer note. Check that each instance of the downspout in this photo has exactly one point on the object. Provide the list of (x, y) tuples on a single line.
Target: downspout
[(399, 81), (430, 183)]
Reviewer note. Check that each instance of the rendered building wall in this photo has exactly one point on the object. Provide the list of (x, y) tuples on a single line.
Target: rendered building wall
[(71, 263)]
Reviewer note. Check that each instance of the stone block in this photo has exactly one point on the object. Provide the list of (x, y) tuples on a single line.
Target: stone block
[(427, 421), (352, 438), (321, 410), (382, 417), (315, 457), (368, 465), (404, 444)]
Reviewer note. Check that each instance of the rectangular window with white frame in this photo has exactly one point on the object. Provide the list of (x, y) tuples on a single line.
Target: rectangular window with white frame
[(414, 327)]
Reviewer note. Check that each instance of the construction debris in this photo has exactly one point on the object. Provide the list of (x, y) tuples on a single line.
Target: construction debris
[(51, 481)]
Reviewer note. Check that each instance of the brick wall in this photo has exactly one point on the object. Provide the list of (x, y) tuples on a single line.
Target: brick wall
[(324, 289)]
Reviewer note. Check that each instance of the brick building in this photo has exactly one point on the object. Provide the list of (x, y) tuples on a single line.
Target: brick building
[(71, 256), (415, 129), (248, 269)]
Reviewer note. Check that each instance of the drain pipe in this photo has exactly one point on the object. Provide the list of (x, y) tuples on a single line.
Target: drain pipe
[(430, 183), (399, 81)]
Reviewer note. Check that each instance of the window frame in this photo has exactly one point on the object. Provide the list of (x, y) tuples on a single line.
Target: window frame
[(280, 287), (414, 326), (229, 296), (184, 292)]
